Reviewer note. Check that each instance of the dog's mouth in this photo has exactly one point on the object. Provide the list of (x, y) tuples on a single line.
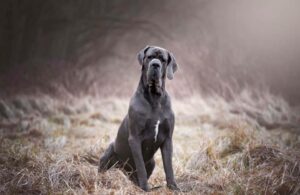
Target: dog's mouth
[(154, 83), (153, 77), (154, 80), (154, 86)]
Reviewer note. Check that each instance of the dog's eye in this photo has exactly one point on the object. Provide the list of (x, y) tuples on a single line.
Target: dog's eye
[(150, 57), (162, 59)]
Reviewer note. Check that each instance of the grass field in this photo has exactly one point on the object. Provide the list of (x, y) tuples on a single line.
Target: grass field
[(248, 146)]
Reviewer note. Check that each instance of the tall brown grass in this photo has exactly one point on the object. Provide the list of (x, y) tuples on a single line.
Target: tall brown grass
[(245, 146)]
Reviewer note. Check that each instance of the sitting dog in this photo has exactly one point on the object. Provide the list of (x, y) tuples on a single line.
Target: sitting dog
[(149, 123)]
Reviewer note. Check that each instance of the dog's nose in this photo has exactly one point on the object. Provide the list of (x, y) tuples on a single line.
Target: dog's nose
[(155, 65)]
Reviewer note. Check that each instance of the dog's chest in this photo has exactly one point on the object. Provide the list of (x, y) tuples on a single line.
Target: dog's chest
[(154, 132), (156, 129), (153, 137)]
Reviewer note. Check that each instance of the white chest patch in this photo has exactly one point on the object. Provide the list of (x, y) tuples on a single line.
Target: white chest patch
[(156, 130)]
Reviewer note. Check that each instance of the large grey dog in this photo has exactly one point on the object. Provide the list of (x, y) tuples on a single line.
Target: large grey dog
[(149, 123)]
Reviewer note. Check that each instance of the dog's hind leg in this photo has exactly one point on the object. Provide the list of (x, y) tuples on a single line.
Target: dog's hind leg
[(108, 159), (150, 167)]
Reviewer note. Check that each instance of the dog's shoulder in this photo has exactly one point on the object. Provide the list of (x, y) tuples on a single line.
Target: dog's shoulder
[(138, 105)]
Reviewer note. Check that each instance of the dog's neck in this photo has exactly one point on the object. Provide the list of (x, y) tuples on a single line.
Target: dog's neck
[(153, 94)]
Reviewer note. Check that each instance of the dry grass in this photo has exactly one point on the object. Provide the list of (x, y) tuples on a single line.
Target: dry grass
[(52, 147)]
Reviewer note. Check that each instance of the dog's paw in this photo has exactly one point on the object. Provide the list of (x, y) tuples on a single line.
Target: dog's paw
[(145, 188), (173, 187), (102, 167)]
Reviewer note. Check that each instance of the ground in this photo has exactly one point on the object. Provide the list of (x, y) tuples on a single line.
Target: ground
[(53, 146)]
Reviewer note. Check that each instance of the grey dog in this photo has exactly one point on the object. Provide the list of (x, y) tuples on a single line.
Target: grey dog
[(149, 123)]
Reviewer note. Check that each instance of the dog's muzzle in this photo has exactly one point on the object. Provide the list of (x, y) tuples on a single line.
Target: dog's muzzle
[(154, 72)]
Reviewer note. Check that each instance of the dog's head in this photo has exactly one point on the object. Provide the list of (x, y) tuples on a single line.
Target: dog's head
[(157, 63)]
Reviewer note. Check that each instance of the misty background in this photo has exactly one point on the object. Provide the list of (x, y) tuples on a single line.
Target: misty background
[(74, 48)]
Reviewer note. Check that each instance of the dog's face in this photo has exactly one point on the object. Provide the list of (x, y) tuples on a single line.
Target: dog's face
[(156, 63)]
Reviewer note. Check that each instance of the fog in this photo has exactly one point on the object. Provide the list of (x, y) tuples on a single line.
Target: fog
[(80, 47)]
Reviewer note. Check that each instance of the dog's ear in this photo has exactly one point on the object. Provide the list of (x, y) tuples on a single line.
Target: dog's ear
[(141, 54), (172, 66)]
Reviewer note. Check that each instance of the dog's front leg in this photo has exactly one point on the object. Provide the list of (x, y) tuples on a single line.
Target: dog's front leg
[(136, 149), (166, 151)]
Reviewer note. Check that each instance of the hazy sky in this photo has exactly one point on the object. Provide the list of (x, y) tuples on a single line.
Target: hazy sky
[(92, 45)]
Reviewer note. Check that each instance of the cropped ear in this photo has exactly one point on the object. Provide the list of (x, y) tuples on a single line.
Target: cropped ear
[(172, 66), (141, 54)]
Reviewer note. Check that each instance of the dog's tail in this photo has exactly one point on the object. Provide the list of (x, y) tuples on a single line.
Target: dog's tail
[(108, 159)]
